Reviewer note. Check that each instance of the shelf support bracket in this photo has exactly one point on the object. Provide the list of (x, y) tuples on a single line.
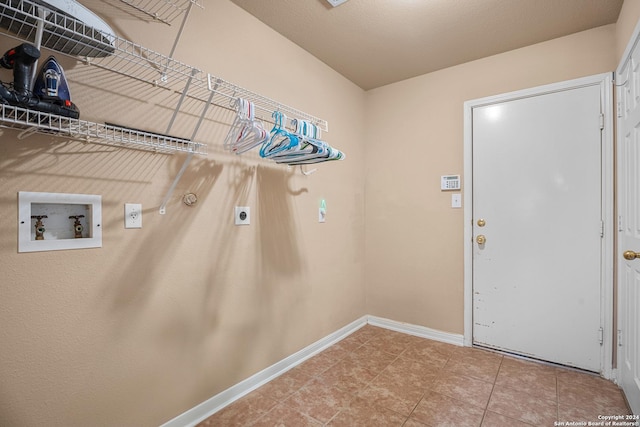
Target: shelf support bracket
[(163, 205), (194, 71), (175, 43), (37, 42), (204, 112), (182, 25)]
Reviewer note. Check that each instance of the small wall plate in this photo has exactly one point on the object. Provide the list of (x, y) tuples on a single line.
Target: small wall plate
[(132, 215), (242, 215)]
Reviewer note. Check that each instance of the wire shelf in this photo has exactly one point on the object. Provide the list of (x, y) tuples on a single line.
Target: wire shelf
[(19, 19), (60, 33), (71, 37), (81, 130), (30, 20), (226, 93), (165, 11)]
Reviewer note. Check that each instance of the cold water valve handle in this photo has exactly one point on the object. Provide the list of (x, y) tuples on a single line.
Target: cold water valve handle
[(39, 226), (77, 226)]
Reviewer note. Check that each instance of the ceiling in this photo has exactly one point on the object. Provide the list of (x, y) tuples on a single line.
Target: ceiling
[(377, 42)]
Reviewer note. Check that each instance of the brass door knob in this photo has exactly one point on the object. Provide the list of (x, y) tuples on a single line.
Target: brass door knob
[(482, 222), (631, 255), (481, 240)]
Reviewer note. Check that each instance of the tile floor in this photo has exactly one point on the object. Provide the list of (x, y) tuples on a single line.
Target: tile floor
[(378, 377)]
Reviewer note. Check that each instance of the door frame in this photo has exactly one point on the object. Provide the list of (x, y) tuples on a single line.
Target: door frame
[(634, 39), (605, 81)]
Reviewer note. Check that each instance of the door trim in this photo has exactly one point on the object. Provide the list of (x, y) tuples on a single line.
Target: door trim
[(632, 43), (605, 81)]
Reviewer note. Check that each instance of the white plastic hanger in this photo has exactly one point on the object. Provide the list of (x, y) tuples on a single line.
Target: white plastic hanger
[(246, 132)]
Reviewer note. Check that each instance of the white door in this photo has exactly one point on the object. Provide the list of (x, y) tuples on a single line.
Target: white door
[(538, 226), (628, 141)]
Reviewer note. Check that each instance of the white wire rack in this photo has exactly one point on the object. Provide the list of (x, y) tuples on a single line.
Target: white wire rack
[(59, 32), (225, 93), (37, 122), (165, 11), (29, 20), (19, 19)]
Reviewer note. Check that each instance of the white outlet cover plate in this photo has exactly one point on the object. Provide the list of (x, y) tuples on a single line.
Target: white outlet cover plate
[(242, 215), (132, 215), (456, 200)]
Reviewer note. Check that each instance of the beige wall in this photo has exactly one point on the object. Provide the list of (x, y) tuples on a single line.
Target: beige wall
[(414, 239), (161, 319), (627, 21)]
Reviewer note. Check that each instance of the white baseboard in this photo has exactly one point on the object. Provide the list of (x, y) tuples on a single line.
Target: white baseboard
[(210, 406), (419, 331)]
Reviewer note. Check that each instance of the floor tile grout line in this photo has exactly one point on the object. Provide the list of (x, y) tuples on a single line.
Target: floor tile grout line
[(493, 387), (354, 394), (415, 406), (555, 375), (397, 355)]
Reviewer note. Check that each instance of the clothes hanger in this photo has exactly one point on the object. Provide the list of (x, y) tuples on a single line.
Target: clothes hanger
[(246, 132), (280, 138), (310, 148), (332, 154), (301, 147), (305, 146), (237, 124), (252, 134)]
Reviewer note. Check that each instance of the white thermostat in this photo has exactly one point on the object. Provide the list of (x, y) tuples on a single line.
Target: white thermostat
[(450, 182)]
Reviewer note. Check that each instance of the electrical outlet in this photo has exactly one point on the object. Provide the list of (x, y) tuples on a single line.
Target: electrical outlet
[(132, 215), (242, 215)]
